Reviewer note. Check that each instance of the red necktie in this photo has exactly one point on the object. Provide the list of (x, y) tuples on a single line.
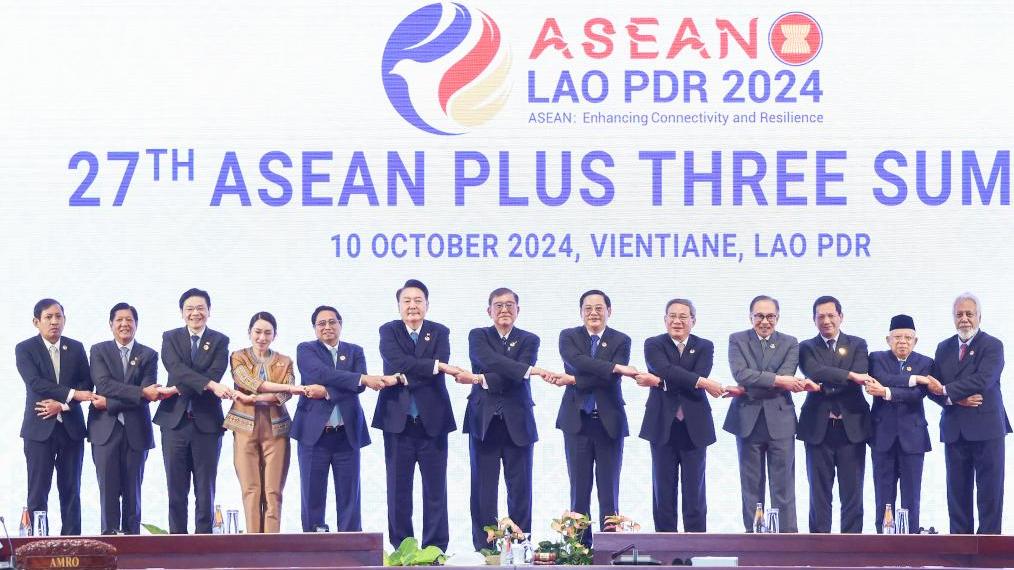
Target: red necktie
[(964, 350)]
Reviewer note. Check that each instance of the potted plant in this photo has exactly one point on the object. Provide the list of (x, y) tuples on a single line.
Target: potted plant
[(409, 554), (569, 550), (499, 535)]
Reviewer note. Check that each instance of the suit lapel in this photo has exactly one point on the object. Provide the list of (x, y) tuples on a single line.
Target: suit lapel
[(962, 364), (46, 360), (133, 359), (768, 353), (498, 340)]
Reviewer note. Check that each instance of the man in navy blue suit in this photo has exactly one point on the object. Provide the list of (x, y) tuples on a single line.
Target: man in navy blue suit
[(974, 421), (835, 419), (677, 417), (329, 423), (591, 415), (416, 416), (900, 437), (499, 417), (57, 380), (119, 423), (190, 416)]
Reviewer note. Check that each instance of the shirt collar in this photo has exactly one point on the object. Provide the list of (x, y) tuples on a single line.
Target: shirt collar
[(677, 342), (50, 345), (328, 346), (129, 346), (200, 335), (598, 334), (411, 330)]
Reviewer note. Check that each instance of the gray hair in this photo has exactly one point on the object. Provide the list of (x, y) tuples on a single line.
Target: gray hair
[(966, 296)]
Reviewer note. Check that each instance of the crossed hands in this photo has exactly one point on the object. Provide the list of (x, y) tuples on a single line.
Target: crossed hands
[(796, 384), (932, 384), (554, 378), (49, 407)]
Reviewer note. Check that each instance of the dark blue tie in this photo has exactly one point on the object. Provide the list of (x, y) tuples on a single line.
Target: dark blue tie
[(194, 339), (413, 409), (901, 365), (589, 404)]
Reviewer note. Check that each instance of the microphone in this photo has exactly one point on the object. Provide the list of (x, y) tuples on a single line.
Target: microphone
[(619, 557), (11, 562)]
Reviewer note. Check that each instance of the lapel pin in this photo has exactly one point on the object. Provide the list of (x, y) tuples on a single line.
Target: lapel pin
[(427, 337), (342, 357), (772, 345), (603, 345), (133, 362), (513, 344), (207, 347), (908, 369), (65, 348), (970, 352), (692, 351), (842, 351)]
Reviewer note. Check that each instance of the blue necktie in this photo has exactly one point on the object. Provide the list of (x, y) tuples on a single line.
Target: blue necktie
[(589, 404), (901, 365), (413, 409), (336, 414), (194, 339)]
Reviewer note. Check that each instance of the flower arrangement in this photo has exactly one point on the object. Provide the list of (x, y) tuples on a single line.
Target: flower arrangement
[(498, 534), (620, 523), (569, 549)]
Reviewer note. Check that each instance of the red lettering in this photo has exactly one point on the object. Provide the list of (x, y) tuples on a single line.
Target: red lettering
[(550, 36), (633, 31), (601, 38), (681, 40), (727, 29)]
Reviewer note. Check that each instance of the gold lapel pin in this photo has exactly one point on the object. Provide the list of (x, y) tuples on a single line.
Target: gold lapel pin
[(908, 369), (842, 351), (692, 351), (603, 345), (207, 347), (133, 362), (342, 357)]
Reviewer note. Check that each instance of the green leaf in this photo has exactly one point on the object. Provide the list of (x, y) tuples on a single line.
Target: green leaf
[(428, 555), (152, 529)]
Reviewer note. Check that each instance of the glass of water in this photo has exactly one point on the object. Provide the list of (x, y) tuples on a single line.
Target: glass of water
[(40, 525), (771, 520), (901, 521), (232, 522)]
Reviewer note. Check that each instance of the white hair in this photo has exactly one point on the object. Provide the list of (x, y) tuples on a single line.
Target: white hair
[(966, 296)]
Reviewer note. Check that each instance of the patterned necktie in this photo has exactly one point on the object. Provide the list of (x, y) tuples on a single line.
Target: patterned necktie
[(830, 344), (964, 351), (901, 365), (589, 403), (413, 409), (124, 352), (194, 339), (504, 340), (336, 415)]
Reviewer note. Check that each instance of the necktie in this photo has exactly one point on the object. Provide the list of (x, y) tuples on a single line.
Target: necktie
[(830, 344), (124, 352), (54, 355), (835, 406), (194, 339), (764, 344), (504, 340), (901, 365), (680, 346), (413, 409), (589, 403), (679, 410), (336, 415), (964, 351)]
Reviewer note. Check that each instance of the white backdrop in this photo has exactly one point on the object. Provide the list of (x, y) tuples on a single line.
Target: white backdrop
[(255, 77)]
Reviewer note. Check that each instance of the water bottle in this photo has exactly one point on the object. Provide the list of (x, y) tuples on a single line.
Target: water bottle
[(218, 525), (888, 520), (26, 523), (41, 526), (758, 518)]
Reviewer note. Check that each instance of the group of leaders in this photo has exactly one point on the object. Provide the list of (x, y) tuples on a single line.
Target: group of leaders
[(414, 413)]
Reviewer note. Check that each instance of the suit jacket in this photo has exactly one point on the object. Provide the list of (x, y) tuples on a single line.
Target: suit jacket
[(246, 377), (978, 373), (901, 418), (316, 366), (837, 392), (36, 369), (678, 374), (504, 368), (416, 361), (594, 376), (123, 393), (190, 376), (755, 369)]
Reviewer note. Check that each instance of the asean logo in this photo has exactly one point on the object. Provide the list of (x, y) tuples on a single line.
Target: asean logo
[(446, 69), (795, 38)]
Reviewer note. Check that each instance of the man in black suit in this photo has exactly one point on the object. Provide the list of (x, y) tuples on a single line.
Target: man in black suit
[(974, 422), (835, 419), (416, 416), (499, 417), (591, 415), (677, 417), (119, 423), (900, 438), (57, 380), (329, 423), (190, 416)]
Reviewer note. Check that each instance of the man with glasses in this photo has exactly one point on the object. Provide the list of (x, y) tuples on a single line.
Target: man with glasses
[(969, 364), (591, 415), (498, 418), (677, 418), (190, 416), (835, 420), (762, 416), (329, 423)]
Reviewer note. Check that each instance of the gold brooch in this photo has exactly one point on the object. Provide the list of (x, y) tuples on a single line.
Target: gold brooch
[(842, 351), (207, 347), (133, 362), (603, 345), (342, 357), (908, 369)]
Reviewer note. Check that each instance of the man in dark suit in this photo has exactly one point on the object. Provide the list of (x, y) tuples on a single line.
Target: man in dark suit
[(57, 380), (835, 419), (900, 438), (499, 417), (416, 416), (190, 416), (974, 421), (119, 424), (329, 423), (591, 415), (677, 417), (763, 417)]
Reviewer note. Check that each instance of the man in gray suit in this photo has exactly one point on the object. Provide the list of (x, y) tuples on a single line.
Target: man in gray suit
[(762, 417)]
